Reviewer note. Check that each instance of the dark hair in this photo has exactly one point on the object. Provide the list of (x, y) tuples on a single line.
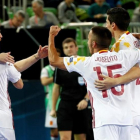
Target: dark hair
[(120, 17), (102, 36), (68, 40)]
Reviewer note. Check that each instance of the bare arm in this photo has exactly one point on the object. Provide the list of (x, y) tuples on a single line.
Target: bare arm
[(55, 95), (26, 63), (18, 84), (108, 82), (53, 56), (46, 80)]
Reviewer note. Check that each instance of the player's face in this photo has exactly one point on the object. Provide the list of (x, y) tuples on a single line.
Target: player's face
[(70, 49), (36, 8), (90, 42), (109, 27), (0, 36)]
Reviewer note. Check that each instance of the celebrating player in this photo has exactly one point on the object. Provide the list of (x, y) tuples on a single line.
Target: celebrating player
[(111, 107)]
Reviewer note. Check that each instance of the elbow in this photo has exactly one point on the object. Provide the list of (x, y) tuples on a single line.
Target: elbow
[(20, 86), (44, 83)]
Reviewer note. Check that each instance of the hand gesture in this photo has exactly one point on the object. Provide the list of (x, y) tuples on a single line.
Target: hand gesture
[(6, 57), (82, 105), (53, 113), (105, 84), (42, 52), (54, 30)]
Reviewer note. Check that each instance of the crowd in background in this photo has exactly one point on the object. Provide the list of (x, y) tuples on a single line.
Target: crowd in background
[(67, 11)]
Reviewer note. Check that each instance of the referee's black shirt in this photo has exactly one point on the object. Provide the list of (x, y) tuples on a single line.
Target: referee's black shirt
[(73, 87)]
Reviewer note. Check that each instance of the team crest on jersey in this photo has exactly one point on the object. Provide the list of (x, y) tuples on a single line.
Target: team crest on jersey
[(137, 44)]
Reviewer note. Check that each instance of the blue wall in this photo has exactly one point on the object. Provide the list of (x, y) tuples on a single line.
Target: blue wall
[(29, 111)]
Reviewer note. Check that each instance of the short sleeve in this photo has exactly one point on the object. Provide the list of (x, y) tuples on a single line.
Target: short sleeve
[(44, 73), (74, 63), (12, 73), (132, 56)]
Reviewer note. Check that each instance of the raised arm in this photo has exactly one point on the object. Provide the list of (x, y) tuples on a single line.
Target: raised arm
[(53, 56), (108, 82), (26, 63)]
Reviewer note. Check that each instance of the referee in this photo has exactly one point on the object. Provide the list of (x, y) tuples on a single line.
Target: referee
[(73, 115)]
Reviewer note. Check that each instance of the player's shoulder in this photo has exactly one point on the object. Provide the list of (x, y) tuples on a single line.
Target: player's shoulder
[(126, 52)]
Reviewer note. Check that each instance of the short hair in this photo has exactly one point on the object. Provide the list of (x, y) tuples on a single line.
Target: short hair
[(102, 36), (120, 17), (40, 2), (20, 13), (68, 40)]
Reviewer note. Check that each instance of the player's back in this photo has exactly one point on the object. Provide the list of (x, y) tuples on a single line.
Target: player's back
[(111, 106), (127, 42)]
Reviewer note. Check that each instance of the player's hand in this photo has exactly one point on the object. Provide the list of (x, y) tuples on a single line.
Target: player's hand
[(6, 57), (53, 113), (82, 105), (42, 52), (54, 30), (105, 84), (136, 35)]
